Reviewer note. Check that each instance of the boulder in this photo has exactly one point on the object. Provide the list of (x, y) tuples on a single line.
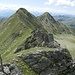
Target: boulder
[(57, 62), (10, 69), (14, 70)]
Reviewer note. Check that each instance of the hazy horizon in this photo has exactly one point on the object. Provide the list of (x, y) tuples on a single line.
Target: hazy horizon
[(40, 6)]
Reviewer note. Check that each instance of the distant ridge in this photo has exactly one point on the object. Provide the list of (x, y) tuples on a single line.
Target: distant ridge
[(51, 25)]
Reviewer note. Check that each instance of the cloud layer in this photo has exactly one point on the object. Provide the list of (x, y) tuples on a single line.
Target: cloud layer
[(29, 8), (42, 9), (61, 2)]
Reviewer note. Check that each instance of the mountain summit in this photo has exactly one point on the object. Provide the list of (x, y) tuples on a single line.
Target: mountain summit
[(17, 28), (51, 25), (28, 18), (47, 16)]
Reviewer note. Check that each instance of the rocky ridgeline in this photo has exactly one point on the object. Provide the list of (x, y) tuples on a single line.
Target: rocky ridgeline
[(58, 62), (38, 38), (10, 69), (51, 62)]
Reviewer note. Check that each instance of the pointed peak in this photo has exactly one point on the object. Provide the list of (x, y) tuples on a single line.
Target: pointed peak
[(21, 9), (22, 13), (47, 17), (47, 14)]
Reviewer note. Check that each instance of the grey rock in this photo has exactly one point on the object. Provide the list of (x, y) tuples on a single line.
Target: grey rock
[(1, 73), (38, 38), (6, 70), (14, 70), (10, 69), (58, 62)]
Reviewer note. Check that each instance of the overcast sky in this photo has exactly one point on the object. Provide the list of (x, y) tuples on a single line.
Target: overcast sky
[(58, 6)]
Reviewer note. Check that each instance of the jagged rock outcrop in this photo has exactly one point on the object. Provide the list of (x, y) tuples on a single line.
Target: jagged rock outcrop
[(58, 62), (10, 69), (38, 38)]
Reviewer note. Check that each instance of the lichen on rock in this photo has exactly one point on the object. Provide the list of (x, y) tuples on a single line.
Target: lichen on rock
[(57, 62)]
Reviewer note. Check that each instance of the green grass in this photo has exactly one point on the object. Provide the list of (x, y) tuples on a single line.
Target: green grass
[(15, 30), (11, 55)]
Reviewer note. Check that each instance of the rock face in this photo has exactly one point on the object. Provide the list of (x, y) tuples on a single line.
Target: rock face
[(50, 62), (10, 69), (38, 38)]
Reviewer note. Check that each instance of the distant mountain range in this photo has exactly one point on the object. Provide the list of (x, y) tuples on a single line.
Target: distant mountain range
[(61, 18), (67, 20)]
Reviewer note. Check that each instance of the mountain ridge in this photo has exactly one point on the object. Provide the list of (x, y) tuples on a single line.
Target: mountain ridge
[(22, 23), (16, 30), (51, 25)]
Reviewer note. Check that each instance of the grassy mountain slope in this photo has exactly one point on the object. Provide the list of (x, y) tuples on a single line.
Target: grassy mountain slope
[(51, 25), (14, 31)]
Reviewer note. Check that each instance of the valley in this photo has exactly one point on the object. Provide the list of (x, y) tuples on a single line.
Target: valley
[(67, 20)]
